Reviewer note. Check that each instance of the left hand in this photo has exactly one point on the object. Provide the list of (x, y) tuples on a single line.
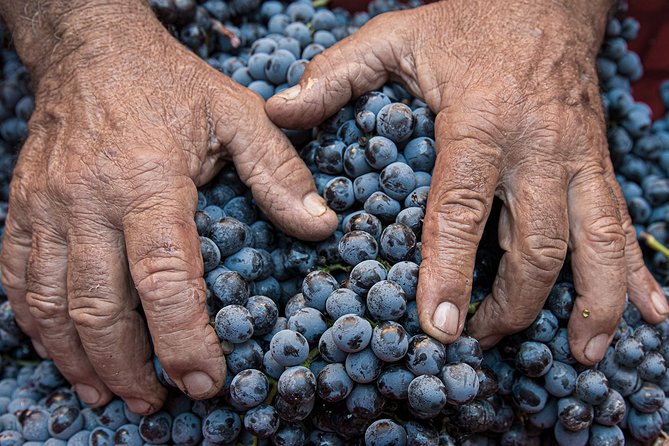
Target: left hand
[(519, 117)]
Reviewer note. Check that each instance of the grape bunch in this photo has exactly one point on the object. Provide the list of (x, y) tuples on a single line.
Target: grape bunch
[(322, 340)]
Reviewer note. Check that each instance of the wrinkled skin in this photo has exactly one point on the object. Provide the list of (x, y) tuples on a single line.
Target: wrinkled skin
[(126, 126), (519, 117)]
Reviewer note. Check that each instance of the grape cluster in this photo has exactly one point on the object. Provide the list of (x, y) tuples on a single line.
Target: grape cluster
[(322, 340)]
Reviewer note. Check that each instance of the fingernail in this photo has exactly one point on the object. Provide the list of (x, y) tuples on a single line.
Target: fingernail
[(290, 93), (596, 347), (39, 348), (315, 204), (660, 303), (447, 318), (87, 394), (138, 406), (198, 384)]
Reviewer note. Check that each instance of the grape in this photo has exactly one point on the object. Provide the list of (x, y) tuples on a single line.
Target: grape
[(606, 436), (566, 437), (465, 349), (385, 432), (249, 388), (425, 355), (264, 314), (309, 322), (648, 399), (560, 380), (357, 246), (362, 221), (344, 301), (365, 186), (380, 151), (339, 193), (64, 422), (317, 287), (574, 415), (546, 417), (334, 384), (397, 180), (395, 121), (234, 323), (354, 160), (528, 395), (128, 434), (365, 401), (221, 426), (427, 393), (624, 380), (475, 416), (363, 366), (612, 410), (351, 333), (328, 349), (644, 426), (187, 429), (289, 434), (544, 327), (561, 300), (394, 382), (297, 384), (534, 359), (389, 341), (591, 387), (365, 274), (629, 352), (397, 243), (386, 301), (289, 348), (461, 382)]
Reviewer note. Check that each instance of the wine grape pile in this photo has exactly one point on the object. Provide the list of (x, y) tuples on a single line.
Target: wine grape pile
[(323, 341)]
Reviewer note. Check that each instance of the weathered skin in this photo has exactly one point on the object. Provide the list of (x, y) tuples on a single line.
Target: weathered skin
[(519, 117)]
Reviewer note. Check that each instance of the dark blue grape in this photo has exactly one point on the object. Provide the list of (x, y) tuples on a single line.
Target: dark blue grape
[(247, 355), (461, 382), (465, 349), (591, 387), (425, 355), (187, 429), (289, 434), (544, 327), (365, 185), (365, 401), (648, 399), (339, 194), (35, 425), (351, 333), (382, 206), (565, 437), (363, 366), (612, 410), (417, 198), (386, 301), (389, 341), (309, 322), (221, 426), (559, 346), (234, 323), (644, 426), (560, 380), (394, 382), (230, 235), (128, 434), (357, 246), (385, 432), (262, 421), (427, 393), (606, 436), (362, 221), (395, 121), (289, 348), (344, 301), (629, 352), (546, 417), (561, 300), (65, 421), (528, 395), (380, 152), (397, 243), (574, 414)]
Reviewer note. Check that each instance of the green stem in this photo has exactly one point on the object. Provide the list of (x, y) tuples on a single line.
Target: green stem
[(654, 244), (319, 3), (272, 392), (312, 355)]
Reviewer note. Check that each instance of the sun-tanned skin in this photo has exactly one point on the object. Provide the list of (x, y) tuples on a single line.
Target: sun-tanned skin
[(128, 123)]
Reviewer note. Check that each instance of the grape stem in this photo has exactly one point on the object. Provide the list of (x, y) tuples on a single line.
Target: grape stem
[(319, 3), (312, 355), (272, 392), (654, 244)]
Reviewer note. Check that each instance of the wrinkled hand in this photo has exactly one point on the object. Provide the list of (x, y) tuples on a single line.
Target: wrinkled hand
[(519, 117), (126, 126)]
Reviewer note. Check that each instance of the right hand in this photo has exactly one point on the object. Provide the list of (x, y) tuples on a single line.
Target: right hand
[(127, 124)]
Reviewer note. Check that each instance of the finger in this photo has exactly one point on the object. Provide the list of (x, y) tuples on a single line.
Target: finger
[(281, 183), (463, 186), (642, 288), (102, 306), (533, 232), (356, 64), (14, 260), (597, 244), (166, 266), (46, 296)]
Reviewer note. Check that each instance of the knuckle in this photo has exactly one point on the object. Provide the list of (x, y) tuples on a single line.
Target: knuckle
[(95, 311), (544, 255), (607, 238), (459, 213), (45, 308)]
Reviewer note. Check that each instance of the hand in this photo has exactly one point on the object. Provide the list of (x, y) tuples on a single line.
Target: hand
[(127, 124), (519, 117)]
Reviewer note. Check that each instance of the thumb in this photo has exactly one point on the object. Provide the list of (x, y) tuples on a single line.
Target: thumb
[(355, 65), (281, 183)]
